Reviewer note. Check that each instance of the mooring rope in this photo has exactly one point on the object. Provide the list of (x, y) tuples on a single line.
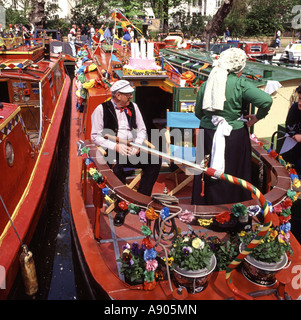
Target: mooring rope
[(11, 221)]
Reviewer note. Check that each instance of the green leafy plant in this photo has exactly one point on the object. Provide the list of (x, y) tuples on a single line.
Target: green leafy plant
[(190, 252), (225, 251), (239, 210), (133, 264), (271, 248)]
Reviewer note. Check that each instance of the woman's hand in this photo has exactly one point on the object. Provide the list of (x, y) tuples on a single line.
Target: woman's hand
[(252, 119)]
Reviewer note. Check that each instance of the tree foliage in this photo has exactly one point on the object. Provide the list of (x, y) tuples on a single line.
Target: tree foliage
[(246, 17), (260, 17)]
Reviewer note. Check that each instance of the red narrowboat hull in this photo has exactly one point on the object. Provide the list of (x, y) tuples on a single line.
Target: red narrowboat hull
[(25, 184)]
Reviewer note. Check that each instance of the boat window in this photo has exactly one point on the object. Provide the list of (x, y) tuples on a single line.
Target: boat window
[(58, 79), (4, 91), (255, 48), (51, 87), (9, 153), (35, 88)]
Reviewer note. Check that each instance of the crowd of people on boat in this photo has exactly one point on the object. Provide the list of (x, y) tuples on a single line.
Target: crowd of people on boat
[(17, 30)]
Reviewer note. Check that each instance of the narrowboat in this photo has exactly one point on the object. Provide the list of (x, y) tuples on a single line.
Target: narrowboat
[(106, 251), (255, 50), (34, 89)]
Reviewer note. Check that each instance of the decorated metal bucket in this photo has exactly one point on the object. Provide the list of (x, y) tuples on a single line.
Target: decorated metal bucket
[(262, 273), (194, 281)]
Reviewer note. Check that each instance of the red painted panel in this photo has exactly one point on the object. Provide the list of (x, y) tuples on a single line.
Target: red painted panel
[(15, 178)]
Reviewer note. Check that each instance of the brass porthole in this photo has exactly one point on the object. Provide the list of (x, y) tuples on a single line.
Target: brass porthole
[(9, 153)]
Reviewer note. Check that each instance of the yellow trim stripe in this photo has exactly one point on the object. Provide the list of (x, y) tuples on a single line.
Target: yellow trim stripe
[(19, 52)]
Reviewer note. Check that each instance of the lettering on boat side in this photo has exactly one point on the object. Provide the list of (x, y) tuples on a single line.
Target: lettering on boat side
[(2, 277), (152, 309), (296, 281)]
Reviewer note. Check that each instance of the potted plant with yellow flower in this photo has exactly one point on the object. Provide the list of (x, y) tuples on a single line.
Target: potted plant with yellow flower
[(269, 257), (192, 262)]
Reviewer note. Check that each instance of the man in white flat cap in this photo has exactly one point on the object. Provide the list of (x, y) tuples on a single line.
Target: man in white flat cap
[(121, 117)]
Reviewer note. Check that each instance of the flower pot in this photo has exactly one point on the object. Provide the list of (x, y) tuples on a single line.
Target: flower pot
[(262, 273), (133, 283), (243, 219), (194, 281)]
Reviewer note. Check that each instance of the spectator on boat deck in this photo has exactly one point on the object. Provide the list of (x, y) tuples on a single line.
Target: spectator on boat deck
[(84, 31), (220, 106), (71, 39), (293, 128), (123, 118), (60, 33), (227, 34), (26, 36), (278, 41), (91, 33), (131, 32)]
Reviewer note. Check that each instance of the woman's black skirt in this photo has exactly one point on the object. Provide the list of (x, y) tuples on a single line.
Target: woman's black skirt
[(237, 163)]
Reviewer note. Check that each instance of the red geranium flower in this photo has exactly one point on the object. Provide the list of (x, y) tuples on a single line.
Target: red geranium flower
[(273, 153), (223, 217), (287, 203), (146, 242), (283, 219), (123, 205)]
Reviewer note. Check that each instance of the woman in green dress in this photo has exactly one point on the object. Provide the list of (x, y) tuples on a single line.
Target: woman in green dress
[(221, 106)]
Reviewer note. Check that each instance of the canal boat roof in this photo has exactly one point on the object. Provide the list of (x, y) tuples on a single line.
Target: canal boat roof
[(190, 57)]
